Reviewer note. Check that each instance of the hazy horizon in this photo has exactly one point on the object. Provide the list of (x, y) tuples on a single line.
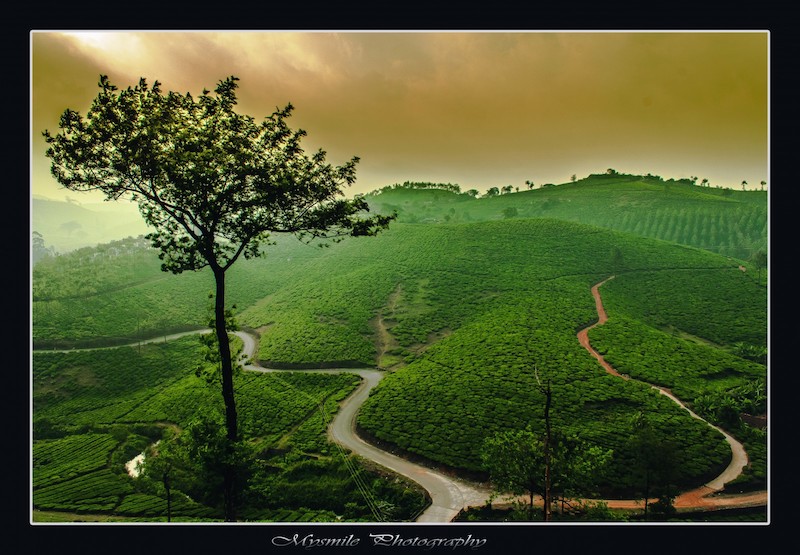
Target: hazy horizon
[(480, 109)]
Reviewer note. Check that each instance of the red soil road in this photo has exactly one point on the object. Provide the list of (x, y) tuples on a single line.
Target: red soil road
[(457, 494), (708, 496), (583, 335)]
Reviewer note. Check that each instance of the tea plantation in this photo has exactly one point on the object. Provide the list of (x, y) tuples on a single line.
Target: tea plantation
[(464, 306), (96, 410)]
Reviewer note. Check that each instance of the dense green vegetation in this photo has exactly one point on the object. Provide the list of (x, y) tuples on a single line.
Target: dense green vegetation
[(96, 410), (681, 300), (116, 293), (725, 221), (460, 313)]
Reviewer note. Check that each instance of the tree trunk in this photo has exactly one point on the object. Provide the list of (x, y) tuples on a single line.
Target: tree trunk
[(547, 500), (226, 368)]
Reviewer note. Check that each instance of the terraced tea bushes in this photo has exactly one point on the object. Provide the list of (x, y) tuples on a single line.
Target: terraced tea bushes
[(82, 300), (480, 380), (64, 459), (440, 277), (695, 373), (683, 298), (685, 367), (724, 221), (77, 394)]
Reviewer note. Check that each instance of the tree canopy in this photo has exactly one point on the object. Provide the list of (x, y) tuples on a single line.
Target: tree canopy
[(212, 182)]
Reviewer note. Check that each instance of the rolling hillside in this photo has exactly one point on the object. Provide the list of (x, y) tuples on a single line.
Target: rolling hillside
[(725, 221), (465, 304)]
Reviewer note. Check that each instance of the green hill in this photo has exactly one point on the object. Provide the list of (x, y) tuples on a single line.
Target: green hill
[(461, 313), (461, 299), (725, 221)]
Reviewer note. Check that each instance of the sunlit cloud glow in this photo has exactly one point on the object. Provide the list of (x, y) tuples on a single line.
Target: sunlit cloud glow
[(478, 109)]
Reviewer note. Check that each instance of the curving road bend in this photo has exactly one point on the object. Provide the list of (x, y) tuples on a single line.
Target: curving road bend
[(698, 497), (448, 495)]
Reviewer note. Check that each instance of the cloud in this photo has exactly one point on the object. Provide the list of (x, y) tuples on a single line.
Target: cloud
[(466, 105)]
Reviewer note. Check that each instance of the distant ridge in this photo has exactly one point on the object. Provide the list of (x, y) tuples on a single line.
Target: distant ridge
[(67, 226), (722, 220)]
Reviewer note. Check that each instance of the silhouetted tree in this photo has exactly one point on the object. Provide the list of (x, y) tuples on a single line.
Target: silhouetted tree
[(550, 464), (655, 463), (515, 461), (578, 468), (212, 182)]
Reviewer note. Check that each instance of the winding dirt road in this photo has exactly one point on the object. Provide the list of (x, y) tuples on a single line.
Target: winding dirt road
[(705, 496), (450, 495)]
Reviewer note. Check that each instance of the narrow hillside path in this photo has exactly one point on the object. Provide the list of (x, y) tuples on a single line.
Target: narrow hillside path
[(448, 495), (700, 497)]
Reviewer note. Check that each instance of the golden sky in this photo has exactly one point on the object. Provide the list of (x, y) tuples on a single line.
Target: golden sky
[(480, 109)]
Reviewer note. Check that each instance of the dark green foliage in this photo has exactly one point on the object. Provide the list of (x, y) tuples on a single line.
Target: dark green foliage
[(466, 308), (510, 212), (69, 457), (655, 463), (751, 352), (98, 491), (683, 297), (331, 484), (688, 368), (275, 409)]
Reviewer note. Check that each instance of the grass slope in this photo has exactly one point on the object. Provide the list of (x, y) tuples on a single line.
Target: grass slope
[(459, 313), (728, 222), (96, 410)]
